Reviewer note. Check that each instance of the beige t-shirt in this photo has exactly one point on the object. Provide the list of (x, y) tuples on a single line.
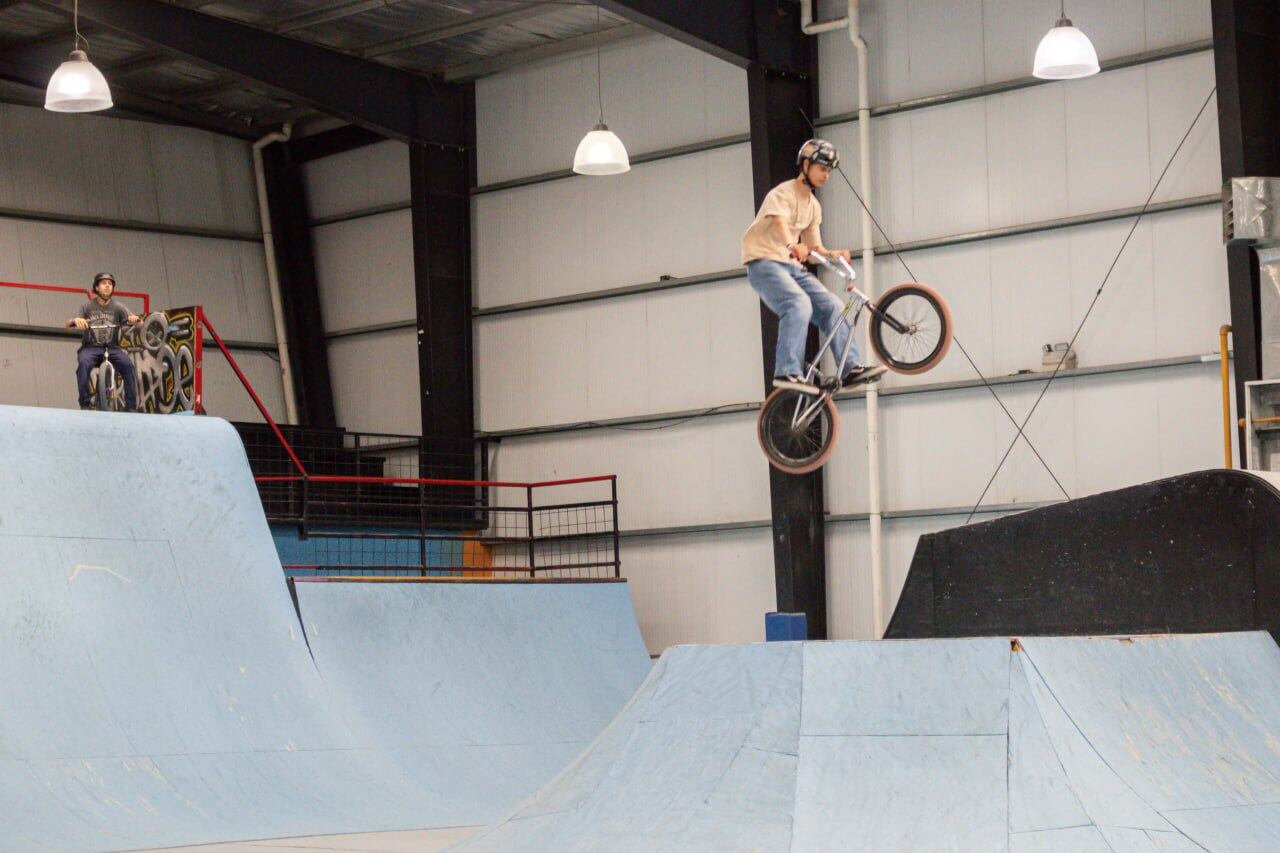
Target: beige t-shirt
[(801, 214)]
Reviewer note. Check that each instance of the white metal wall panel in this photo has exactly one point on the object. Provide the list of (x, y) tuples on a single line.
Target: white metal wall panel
[(984, 41), (850, 609), (699, 472), (202, 179), (358, 180), (112, 168), (375, 382), (701, 588), (660, 352), (225, 397), (1096, 433), (680, 217), (227, 277), (364, 269), (658, 94), (1008, 297), (124, 170), (1029, 156)]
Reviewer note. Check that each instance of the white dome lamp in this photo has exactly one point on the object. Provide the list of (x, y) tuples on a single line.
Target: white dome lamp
[(600, 152), (77, 86), (1065, 53)]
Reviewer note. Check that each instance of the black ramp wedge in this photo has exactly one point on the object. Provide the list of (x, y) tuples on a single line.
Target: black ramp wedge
[(1194, 553)]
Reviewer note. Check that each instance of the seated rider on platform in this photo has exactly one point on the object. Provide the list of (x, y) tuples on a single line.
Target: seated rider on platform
[(780, 239), (101, 320)]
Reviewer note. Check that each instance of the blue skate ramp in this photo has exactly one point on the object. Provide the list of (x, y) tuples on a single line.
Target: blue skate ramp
[(1160, 743), (156, 687), (512, 680)]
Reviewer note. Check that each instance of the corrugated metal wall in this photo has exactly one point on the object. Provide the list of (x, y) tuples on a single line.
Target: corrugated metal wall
[(364, 269), (147, 176), (1086, 147)]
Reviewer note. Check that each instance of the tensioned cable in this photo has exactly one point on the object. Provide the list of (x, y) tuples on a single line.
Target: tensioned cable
[(954, 337), (1116, 260)]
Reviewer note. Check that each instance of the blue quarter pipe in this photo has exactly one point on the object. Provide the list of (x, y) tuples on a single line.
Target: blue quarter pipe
[(157, 689)]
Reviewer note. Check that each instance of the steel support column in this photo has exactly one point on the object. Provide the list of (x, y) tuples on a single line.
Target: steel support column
[(776, 101), (441, 177), (1246, 41), (299, 291)]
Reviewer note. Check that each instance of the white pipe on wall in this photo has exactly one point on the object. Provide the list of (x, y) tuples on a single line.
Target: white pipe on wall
[(853, 21), (273, 276)]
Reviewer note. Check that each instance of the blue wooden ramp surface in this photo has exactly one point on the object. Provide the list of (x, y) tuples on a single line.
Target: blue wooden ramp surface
[(1063, 744), (156, 687)]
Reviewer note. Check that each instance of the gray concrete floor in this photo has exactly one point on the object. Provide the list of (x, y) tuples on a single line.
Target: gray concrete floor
[(410, 841)]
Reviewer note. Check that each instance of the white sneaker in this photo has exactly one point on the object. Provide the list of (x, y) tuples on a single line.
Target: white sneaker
[(795, 383)]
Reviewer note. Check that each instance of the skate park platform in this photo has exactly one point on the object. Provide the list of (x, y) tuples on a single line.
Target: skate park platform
[(160, 690), (1193, 553), (1048, 744)]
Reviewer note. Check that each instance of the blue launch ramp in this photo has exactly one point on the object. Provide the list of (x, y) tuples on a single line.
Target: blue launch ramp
[(156, 687), (1161, 743)]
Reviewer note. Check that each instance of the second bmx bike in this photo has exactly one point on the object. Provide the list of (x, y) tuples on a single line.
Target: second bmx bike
[(909, 329)]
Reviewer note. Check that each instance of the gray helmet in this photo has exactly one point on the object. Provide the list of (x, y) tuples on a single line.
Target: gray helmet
[(103, 276), (819, 151)]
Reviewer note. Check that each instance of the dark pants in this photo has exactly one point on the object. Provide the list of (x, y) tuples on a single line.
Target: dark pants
[(88, 357)]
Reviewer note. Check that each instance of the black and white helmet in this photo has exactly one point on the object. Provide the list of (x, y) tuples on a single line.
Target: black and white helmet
[(819, 151)]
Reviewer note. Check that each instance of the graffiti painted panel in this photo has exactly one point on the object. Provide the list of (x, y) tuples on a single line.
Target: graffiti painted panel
[(163, 350)]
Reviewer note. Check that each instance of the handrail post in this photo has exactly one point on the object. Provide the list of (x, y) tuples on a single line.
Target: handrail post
[(1223, 331), (533, 573), (422, 529), (617, 553)]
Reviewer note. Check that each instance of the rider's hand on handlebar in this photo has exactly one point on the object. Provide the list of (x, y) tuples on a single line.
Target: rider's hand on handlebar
[(134, 319), (80, 323), (800, 252)]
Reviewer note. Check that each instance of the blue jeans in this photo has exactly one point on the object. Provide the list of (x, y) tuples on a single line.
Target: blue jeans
[(88, 357), (798, 298)]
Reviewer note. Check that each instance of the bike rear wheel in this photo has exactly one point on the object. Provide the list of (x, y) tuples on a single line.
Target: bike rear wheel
[(927, 323), (796, 448)]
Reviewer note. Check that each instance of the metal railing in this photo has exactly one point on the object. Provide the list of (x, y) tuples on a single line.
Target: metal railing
[(361, 525)]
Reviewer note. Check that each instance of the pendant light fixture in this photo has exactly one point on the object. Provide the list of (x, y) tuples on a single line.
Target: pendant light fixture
[(600, 152), (77, 86), (1065, 53)]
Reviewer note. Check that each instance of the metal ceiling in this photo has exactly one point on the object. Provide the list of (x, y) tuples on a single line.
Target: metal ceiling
[(447, 39)]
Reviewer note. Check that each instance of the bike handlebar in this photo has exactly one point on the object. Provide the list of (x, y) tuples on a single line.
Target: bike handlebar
[(842, 268)]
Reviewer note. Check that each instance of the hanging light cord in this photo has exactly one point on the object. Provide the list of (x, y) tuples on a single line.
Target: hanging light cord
[(75, 24), (599, 83)]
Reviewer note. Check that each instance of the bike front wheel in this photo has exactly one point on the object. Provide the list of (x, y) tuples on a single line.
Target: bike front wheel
[(923, 333), (796, 432)]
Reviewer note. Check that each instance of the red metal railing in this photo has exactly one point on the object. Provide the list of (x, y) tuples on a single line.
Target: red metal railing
[(244, 380), (54, 288)]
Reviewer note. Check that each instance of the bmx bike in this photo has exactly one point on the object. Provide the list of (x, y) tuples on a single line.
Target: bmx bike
[(106, 386), (910, 330)]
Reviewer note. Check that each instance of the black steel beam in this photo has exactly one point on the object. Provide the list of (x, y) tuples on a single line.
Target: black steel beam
[(128, 104), (744, 32), (387, 100), (440, 179), (1246, 41), (330, 142), (299, 290)]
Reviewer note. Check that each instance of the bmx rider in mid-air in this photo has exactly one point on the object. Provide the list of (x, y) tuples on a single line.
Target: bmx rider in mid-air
[(101, 320), (784, 232)]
